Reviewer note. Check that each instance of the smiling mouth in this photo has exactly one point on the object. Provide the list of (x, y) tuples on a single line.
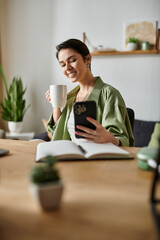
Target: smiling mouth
[(71, 74)]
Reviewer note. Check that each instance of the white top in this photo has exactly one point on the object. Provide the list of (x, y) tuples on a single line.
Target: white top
[(71, 129)]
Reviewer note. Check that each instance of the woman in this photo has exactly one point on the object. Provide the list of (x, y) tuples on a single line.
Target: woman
[(112, 124)]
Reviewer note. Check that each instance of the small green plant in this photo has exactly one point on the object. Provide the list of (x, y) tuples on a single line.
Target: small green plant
[(13, 105), (46, 172), (133, 40)]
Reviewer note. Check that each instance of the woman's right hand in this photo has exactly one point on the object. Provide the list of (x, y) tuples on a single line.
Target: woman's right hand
[(48, 97)]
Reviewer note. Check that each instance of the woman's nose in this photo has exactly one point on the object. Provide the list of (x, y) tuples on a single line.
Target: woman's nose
[(68, 66)]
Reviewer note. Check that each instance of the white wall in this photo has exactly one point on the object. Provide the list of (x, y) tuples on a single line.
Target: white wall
[(35, 27)]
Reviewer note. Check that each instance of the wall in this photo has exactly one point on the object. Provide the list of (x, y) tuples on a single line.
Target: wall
[(35, 27), (2, 23)]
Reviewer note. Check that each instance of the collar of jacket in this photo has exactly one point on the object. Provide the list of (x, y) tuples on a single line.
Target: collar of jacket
[(94, 95)]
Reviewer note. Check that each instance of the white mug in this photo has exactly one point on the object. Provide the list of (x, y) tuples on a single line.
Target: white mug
[(58, 94)]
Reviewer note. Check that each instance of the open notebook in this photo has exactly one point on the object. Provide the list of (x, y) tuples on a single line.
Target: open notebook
[(68, 150)]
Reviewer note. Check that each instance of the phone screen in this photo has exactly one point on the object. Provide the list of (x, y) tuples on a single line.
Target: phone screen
[(83, 110)]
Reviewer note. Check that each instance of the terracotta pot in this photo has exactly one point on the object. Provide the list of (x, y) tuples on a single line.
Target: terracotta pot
[(48, 195), (131, 46), (15, 127)]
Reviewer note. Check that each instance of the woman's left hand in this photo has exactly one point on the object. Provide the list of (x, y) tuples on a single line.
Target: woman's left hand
[(99, 135)]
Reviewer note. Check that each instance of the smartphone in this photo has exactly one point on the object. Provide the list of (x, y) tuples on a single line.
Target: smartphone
[(3, 151), (81, 111)]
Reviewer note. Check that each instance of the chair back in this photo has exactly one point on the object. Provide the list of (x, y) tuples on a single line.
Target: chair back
[(131, 116)]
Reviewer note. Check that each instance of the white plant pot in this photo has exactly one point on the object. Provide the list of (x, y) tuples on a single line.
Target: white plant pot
[(48, 195), (15, 127), (131, 46)]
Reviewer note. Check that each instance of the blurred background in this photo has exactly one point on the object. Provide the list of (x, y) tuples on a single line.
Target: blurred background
[(30, 31)]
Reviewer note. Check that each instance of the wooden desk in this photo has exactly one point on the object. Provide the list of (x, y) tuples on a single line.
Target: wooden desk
[(102, 199)]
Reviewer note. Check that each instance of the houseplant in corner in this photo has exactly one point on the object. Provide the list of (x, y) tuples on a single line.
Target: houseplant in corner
[(13, 105), (132, 44), (45, 184)]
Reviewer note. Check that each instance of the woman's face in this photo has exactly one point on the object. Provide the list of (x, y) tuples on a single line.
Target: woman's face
[(73, 65)]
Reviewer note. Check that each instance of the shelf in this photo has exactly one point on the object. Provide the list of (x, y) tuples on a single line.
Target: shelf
[(136, 52), (101, 53)]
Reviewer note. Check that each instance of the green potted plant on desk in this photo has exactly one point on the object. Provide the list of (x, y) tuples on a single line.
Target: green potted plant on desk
[(13, 105), (45, 184), (132, 44)]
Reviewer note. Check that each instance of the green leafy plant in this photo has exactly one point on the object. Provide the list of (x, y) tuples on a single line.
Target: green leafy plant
[(46, 172), (133, 40), (13, 105)]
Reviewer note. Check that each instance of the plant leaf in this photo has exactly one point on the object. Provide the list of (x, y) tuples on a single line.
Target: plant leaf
[(4, 80), (14, 106)]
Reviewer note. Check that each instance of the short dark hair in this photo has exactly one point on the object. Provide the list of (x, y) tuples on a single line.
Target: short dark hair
[(75, 44)]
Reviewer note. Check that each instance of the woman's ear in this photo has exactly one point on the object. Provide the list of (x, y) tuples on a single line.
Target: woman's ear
[(88, 59)]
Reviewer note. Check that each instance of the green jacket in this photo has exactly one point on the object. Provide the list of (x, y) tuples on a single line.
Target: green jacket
[(154, 142), (111, 114)]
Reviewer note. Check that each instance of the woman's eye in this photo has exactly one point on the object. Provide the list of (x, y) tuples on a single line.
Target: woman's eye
[(72, 60)]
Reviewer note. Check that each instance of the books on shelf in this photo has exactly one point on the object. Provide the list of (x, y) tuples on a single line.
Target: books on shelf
[(68, 150)]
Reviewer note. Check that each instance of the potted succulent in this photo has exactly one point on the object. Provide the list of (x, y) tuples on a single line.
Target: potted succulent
[(132, 44), (45, 184), (13, 105)]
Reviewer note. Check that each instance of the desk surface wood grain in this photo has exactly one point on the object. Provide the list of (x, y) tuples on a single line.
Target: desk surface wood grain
[(103, 199)]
